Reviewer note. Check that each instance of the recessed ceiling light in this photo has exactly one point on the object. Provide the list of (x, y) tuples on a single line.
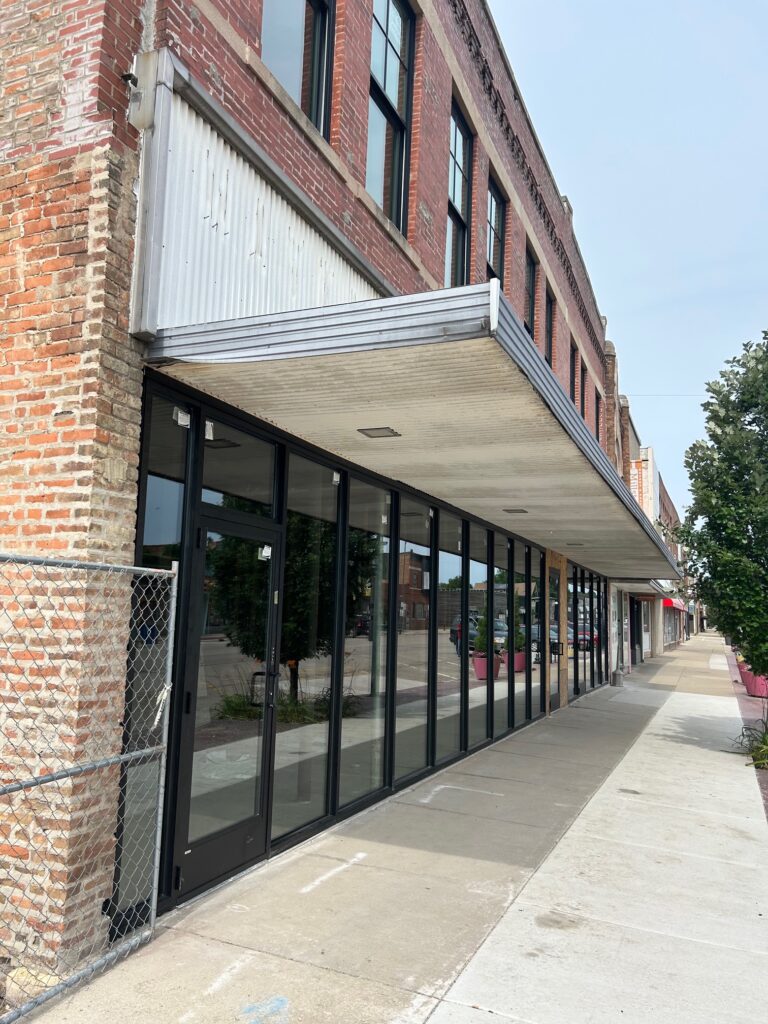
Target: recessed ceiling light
[(516, 511), (378, 432)]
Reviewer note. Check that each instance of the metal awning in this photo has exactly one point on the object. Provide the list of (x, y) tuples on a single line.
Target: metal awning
[(481, 422)]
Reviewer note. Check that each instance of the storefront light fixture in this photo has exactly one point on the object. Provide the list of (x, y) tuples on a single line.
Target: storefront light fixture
[(516, 511), (378, 432)]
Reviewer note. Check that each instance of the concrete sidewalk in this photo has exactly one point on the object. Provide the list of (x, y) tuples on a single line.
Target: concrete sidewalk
[(609, 863)]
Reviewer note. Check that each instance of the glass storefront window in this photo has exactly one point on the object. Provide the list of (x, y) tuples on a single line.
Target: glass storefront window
[(554, 638), (303, 703), (573, 665), (538, 632), (520, 638), (412, 689), (501, 592), (238, 470), (364, 687), (450, 637), (169, 424), (485, 645)]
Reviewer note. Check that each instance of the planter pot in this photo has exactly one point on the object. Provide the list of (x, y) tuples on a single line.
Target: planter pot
[(757, 686), (480, 665), (747, 676), (519, 662), (505, 661)]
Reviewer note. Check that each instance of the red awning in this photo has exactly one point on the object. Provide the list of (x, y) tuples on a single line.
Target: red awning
[(674, 602)]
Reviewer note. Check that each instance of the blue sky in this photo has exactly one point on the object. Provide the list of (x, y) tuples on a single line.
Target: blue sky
[(653, 120)]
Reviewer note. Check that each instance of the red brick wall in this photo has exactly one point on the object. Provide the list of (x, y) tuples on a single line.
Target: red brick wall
[(474, 50), (430, 146), (351, 80), (70, 384)]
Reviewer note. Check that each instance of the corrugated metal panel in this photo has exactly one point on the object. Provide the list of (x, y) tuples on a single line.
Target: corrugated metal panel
[(232, 246), (425, 318)]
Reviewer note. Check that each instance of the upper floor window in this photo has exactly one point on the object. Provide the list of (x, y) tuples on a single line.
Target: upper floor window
[(598, 413), (531, 266), (574, 361), (295, 44), (388, 107), (549, 326), (496, 218), (459, 172), (583, 393)]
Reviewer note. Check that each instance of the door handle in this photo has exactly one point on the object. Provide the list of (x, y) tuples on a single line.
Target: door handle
[(560, 645)]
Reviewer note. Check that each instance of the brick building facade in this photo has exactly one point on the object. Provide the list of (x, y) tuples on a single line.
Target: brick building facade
[(157, 176)]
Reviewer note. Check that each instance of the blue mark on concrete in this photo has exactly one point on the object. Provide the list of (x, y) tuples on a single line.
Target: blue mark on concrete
[(260, 1013)]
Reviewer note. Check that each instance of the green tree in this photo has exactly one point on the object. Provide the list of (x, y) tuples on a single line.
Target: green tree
[(454, 583), (726, 528)]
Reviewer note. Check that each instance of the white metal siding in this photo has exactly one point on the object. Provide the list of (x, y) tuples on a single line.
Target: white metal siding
[(232, 246)]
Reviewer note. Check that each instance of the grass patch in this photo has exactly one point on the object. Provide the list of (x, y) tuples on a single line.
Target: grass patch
[(754, 739)]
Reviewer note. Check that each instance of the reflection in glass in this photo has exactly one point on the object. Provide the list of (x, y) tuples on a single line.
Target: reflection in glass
[(383, 168), (519, 641), (303, 705), (501, 618), (450, 638), (365, 648), (554, 639), (164, 503), (293, 46), (573, 685), (229, 708), (389, 53), (593, 630), (485, 645), (238, 470), (538, 638), (413, 582), (584, 639)]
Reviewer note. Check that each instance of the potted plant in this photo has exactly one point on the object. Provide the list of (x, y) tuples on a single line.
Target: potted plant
[(480, 653), (519, 662)]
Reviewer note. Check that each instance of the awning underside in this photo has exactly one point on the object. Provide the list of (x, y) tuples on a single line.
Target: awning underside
[(474, 432)]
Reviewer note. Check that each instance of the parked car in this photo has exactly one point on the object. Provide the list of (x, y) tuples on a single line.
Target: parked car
[(587, 638), (499, 633)]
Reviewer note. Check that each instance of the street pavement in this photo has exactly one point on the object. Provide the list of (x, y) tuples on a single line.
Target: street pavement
[(609, 863)]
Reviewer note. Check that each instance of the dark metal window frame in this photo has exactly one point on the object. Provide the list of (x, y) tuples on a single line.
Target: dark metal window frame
[(321, 65), (461, 219), (398, 211), (204, 406), (598, 413), (531, 275), (574, 364), (496, 228), (549, 325), (583, 393)]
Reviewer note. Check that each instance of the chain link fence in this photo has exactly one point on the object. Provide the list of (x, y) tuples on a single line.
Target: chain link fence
[(85, 672)]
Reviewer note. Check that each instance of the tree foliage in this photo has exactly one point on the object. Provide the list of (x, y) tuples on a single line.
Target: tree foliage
[(726, 527)]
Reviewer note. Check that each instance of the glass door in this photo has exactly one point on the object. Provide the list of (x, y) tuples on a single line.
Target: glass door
[(555, 644), (228, 700)]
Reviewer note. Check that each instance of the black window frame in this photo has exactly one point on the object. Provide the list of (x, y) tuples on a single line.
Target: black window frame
[(401, 126), (549, 326), (583, 395), (321, 66), (495, 230), (461, 220), (598, 412), (531, 275)]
